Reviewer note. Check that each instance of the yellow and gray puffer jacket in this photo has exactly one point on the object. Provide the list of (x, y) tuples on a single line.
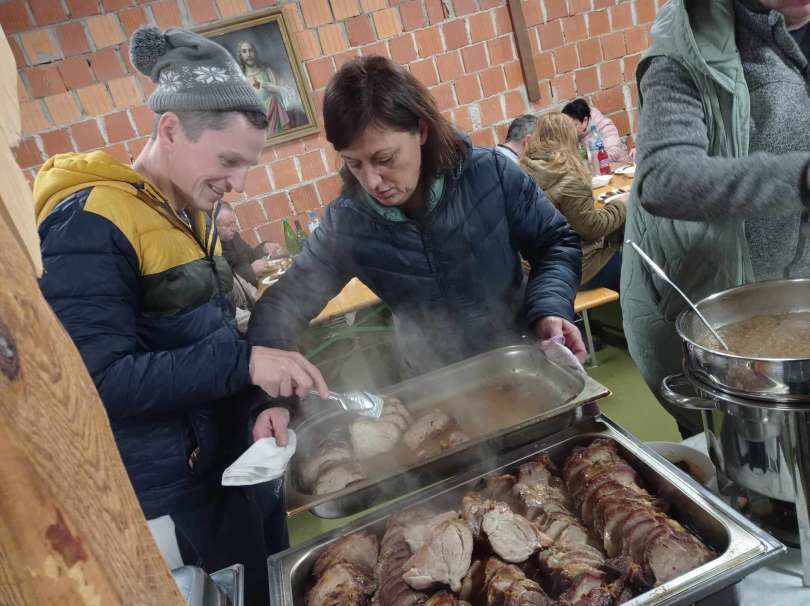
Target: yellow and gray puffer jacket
[(145, 299)]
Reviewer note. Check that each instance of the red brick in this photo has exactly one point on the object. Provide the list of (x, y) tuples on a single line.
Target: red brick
[(635, 39), (380, 48), (428, 42), (515, 104), (107, 64), (544, 66), (556, 9), (645, 11), (444, 96), (14, 17), (72, 39), (360, 30), (119, 152), (311, 165), (576, 7), (63, 108), (598, 23), (40, 46), (167, 14), (488, 4), (425, 72), (47, 12), (250, 214), (449, 66), (491, 111), (630, 64), (455, 34), (304, 198), (465, 7), (481, 27), (32, 118), (342, 58), (320, 71), (483, 138), (468, 89), (17, 51), (144, 119), (57, 142), (474, 58), (402, 49), (411, 15), (343, 9), (257, 182), (612, 46), (462, 119), (534, 41), (132, 19), (277, 206), (492, 81), (503, 21), (500, 50), (136, 146), (545, 98), (87, 135), (590, 52), (45, 80), (532, 13), (609, 101), (125, 92), (118, 127), (115, 5), (76, 72), (329, 188), (610, 73), (586, 80), (27, 154), (621, 16), (622, 122), (436, 11), (565, 59), (82, 8), (514, 74), (550, 35), (600, 4), (270, 232), (284, 173), (563, 87), (574, 28)]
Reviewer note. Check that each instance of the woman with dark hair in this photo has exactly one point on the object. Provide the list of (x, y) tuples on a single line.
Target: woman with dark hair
[(433, 226), (584, 116)]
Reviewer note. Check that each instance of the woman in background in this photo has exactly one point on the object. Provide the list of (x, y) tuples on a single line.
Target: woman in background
[(552, 160), (584, 116)]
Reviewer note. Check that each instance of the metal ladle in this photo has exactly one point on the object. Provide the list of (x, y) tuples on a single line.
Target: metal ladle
[(654, 266)]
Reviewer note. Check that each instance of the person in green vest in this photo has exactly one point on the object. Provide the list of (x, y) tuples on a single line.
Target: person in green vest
[(721, 190)]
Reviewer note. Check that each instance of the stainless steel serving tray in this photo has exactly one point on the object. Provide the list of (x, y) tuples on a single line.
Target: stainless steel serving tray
[(555, 395), (742, 547)]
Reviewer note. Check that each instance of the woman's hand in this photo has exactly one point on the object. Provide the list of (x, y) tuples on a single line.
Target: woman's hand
[(272, 423), (553, 326)]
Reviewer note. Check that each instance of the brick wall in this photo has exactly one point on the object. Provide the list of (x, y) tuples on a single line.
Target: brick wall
[(79, 92)]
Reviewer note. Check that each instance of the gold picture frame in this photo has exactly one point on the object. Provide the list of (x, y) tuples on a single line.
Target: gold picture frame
[(274, 69)]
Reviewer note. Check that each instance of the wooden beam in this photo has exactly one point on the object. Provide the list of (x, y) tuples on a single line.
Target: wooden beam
[(524, 49)]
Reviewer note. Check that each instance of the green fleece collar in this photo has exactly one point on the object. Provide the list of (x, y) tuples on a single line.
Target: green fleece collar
[(394, 213)]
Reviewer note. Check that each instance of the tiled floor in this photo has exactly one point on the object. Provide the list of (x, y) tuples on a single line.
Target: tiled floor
[(632, 406)]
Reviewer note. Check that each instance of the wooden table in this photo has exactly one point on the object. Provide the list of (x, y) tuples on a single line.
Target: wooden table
[(616, 182)]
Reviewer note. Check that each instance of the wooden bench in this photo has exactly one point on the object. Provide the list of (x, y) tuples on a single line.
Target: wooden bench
[(590, 299)]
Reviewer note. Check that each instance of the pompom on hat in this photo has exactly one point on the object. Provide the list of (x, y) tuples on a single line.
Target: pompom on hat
[(192, 73)]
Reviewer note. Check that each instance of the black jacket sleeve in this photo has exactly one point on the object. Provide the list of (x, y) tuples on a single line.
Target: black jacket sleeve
[(92, 282), (546, 241), (284, 311)]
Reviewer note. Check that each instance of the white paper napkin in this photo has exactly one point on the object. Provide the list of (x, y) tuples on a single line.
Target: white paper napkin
[(262, 462), (557, 352)]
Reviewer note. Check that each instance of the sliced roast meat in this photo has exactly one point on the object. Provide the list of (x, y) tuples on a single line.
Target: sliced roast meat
[(617, 471), (337, 476), (411, 515), (474, 506), (444, 559), (425, 427), (328, 452), (670, 553), (445, 598), (393, 405), (473, 585), (507, 585), (512, 537), (359, 548), (392, 590), (419, 533), (372, 437), (342, 584)]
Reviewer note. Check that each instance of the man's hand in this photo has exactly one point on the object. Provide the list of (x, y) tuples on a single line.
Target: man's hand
[(552, 326), (272, 423), (259, 266), (273, 249), (284, 373)]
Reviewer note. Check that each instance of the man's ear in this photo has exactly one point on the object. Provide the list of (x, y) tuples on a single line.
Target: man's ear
[(169, 127)]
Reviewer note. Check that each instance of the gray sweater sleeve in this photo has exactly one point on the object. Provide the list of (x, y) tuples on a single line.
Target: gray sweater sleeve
[(679, 180)]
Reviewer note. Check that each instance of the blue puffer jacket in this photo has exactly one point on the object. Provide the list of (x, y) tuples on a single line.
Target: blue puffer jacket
[(453, 280), (142, 295)]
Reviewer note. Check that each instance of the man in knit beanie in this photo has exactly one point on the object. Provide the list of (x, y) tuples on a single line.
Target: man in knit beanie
[(133, 269)]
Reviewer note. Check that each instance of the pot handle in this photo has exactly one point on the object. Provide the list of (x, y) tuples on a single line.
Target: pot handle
[(678, 391)]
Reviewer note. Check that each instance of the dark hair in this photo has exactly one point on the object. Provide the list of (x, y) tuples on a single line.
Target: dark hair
[(195, 123), (375, 91), (577, 109), (521, 127)]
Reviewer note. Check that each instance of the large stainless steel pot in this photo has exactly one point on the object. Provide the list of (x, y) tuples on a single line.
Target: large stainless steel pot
[(779, 381)]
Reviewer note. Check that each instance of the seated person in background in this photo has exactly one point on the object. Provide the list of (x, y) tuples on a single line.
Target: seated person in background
[(553, 161), (433, 226), (517, 137), (245, 261), (584, 116)]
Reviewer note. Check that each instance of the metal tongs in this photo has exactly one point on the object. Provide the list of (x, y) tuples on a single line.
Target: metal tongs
[(360, 402), (662, 274)]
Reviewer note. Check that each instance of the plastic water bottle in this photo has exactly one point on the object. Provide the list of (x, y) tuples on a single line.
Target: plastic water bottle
[(314, 221), (593, 151)]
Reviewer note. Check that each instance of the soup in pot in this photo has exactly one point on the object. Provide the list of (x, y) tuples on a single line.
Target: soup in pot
[(771, 336)]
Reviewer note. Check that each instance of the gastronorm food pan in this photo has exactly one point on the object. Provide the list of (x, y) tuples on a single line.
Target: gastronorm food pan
[(740, 545), (500, 399)]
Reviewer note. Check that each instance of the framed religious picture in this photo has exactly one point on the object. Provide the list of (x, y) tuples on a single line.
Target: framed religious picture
[(263, 48)]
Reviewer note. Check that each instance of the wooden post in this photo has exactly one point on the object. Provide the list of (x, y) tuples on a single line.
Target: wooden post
[(524, 49), (71, 530)]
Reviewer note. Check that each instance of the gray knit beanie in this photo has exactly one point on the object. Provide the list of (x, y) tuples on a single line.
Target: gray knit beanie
[(191, 73)]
